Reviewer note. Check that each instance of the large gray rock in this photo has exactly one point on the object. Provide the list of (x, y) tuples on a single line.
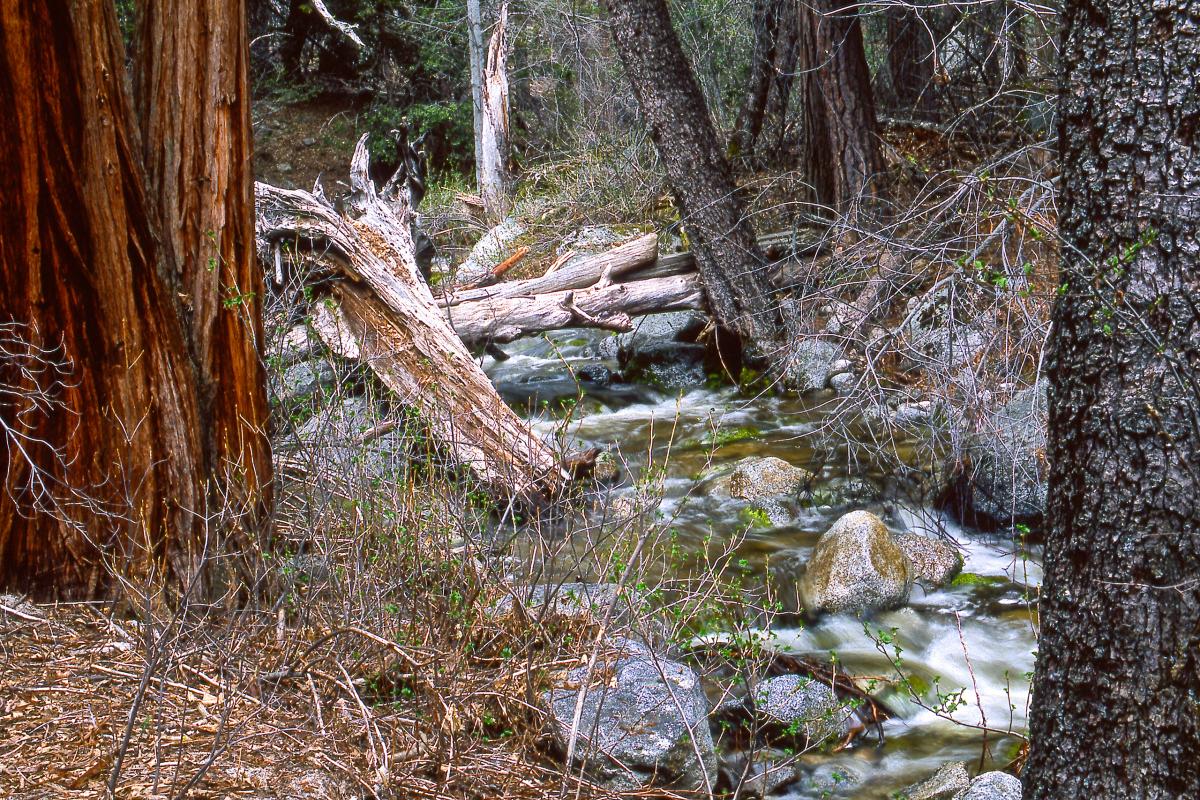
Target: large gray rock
[(934, 562), (759, 774), (800, 706), (661, 349), (302, 380), (810, 364), (1008, 481), (492, 248), (856, 567), (940, 335), (643, 724), (950, 780), (992, 786)]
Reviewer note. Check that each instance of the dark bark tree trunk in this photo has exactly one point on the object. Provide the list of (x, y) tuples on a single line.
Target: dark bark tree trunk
[(1114, 711), (910, 62), (765, 19), (842, 154), (112, 453), (731, 265), (783, 78)]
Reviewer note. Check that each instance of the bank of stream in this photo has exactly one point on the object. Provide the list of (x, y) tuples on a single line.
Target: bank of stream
[(975, 636)]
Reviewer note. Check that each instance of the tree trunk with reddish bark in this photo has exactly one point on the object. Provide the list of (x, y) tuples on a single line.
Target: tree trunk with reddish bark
[(132, 404)]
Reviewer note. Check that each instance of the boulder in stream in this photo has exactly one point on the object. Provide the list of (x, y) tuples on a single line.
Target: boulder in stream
[(1009, 479), (810, 364), (802, 707), (644, 722), (662, 350), (934, 562), (950, 780), (992, 786), (761, 477), (856, 567)]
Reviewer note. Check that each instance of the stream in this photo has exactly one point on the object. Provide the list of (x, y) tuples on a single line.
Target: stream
[(975, 635)]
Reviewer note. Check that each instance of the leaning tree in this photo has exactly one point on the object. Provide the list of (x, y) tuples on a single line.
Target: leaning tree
[(132, 397), (731, 265), (1116, 696)]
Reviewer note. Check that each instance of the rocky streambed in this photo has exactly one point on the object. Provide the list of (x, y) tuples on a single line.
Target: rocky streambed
[(931, 618)]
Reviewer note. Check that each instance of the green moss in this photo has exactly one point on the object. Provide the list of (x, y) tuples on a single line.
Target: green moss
[(724, 437), (755, 517), (973, 579)]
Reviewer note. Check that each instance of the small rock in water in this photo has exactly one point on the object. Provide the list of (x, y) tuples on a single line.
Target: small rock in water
[(856, 567), (843, 383), (949, 780), (756, 478), (992, 786), (934, 562), (801, 706)]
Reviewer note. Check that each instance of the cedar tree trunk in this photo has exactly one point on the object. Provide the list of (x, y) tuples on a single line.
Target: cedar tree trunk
[(128, 403)]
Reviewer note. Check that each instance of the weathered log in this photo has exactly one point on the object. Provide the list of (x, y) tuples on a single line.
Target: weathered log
[(386, 316), (615, 263), (608, 306)]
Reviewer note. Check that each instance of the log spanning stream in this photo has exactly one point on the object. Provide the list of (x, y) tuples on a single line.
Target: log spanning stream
[(975, 635)]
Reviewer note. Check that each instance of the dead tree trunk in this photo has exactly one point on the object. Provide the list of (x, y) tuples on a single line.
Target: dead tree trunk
[(381, 311), (765, 19), (476, 55), (495, 176), (842, 155), (731, 266), (110, 473)]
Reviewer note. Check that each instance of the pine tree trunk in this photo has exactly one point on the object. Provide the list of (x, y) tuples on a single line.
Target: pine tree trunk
[(111, 448), (841, 134), (764, 18), (910, 62), (731, 265), (1114, 711)]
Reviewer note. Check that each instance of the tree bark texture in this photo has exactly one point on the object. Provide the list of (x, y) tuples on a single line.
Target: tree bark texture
[(1114, 711), (107, 473), (842, 154), (731, 266), (193, 100), (765, 20), (910, 62)]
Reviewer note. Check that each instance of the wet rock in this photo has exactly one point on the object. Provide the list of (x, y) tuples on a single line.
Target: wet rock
[(856, 567), (595, 374), (950, 780), (992, 786), (757, 478), (644, 721), (661, 349), (796, 705), (1008, 482), (934, 561), (810, 364)]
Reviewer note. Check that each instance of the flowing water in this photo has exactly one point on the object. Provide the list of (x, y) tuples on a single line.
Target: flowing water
[(975, 636)]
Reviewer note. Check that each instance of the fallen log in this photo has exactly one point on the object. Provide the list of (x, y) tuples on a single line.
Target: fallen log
[(609, 307), (580, 274), (380, 310)]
